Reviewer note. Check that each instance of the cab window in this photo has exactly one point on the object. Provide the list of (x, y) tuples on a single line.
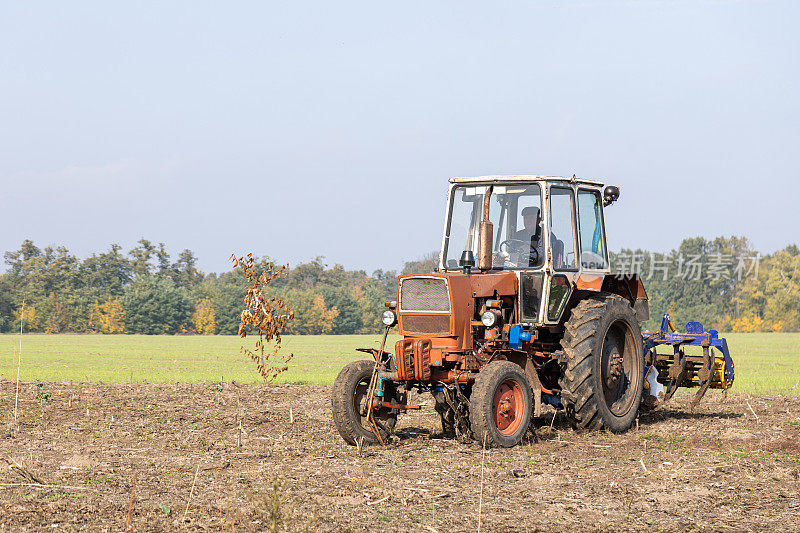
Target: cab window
[(515, 213), (562, 224), (593, 239)]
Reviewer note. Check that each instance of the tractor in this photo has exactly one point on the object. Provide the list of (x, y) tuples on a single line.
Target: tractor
[(523, 310)]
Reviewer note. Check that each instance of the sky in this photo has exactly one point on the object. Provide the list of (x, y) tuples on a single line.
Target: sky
[(304, 129)]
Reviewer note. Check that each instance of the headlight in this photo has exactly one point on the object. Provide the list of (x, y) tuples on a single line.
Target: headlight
[(389, 318), (489, 319)]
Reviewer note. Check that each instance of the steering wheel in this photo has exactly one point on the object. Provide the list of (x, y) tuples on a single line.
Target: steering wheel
[(513, 245), (518, 246)]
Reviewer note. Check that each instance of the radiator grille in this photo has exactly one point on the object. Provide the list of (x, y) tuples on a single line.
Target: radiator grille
[(413, 357), (427, 324), (404, 356), (424, 295)]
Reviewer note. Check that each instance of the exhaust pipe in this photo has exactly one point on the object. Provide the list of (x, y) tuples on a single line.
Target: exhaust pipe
[(486, 234)]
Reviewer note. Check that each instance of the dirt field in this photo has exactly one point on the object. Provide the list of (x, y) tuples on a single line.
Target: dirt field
[(224, 449)]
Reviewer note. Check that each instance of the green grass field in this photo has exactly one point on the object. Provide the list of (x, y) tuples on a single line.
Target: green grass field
[(766, 363), (167, 358)]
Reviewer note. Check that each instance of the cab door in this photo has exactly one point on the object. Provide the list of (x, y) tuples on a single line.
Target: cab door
[(562, 267), (531, 275)]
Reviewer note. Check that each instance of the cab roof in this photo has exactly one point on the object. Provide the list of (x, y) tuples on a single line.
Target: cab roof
[(518, 178)]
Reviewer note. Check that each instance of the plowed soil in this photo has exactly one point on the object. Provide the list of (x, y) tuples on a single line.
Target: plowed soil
[(249, 458)]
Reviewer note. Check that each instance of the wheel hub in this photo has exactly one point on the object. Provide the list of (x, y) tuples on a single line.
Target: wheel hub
[(615, 368), (507, 407)]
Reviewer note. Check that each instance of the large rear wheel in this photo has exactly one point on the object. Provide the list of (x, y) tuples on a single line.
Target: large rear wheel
[(500, 405), (602, 379), (349, 404)]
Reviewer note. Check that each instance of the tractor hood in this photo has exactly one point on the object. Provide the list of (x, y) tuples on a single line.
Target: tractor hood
[(442, 305)]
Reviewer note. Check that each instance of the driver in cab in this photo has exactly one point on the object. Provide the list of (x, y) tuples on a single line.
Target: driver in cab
[(531, 234)]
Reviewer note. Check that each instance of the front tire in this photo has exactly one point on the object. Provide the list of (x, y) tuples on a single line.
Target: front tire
[(349, 402), (500, 405), (602, 379)]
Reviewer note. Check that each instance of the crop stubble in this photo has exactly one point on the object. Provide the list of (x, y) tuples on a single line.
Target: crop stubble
[(717, 468)]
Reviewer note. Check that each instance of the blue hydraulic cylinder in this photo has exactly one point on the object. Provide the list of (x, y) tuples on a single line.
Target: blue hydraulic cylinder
[(516, 336)]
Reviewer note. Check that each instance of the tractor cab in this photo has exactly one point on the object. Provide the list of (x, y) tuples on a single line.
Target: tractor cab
[(548, 231)]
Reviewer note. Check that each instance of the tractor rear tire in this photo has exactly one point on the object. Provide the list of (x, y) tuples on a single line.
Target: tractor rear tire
[(349, 401), (501, 405), (602, 379)]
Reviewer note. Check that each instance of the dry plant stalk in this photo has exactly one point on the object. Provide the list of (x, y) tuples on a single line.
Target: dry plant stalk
[(191, 493), (130, 507), (19, 358), (29, 476), (266, 316), (480, 500)]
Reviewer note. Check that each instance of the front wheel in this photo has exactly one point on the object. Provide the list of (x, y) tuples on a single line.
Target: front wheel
[(500, 405), (349, 404)]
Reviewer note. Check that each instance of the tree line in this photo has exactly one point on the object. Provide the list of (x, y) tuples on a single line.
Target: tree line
[(146, 291), (723, 283)]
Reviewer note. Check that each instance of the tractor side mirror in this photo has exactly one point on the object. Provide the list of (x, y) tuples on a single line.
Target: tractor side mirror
[(610, 195), (467, 261)]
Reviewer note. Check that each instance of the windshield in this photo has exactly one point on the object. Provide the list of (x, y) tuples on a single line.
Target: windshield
[(515, 213)]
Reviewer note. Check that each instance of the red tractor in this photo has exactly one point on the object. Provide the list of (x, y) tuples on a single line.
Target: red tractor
[(538, 318)]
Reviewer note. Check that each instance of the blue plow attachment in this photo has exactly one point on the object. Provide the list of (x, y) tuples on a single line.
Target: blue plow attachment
[(666, 372)]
